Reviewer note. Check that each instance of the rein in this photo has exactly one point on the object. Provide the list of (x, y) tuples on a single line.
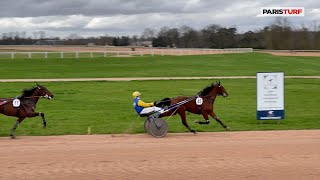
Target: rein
[(177, 105), (30, 97), (33, 97), (23, 97), (180, 103)]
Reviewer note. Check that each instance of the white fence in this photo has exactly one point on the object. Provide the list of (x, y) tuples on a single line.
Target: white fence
[(147, 52)]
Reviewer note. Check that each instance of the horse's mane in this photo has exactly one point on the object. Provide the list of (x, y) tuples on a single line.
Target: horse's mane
[(206, 90), (28, 92)]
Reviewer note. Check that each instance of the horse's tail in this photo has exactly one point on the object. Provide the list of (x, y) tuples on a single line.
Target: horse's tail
[(164, 102)]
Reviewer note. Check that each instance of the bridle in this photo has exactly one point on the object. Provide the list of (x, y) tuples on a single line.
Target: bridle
[(45, 96)]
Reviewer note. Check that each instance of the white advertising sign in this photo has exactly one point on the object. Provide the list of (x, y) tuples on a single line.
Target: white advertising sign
[(270, 95)]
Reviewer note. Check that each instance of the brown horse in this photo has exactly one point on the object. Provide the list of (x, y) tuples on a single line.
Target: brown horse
[(24, 105), (208, 96)]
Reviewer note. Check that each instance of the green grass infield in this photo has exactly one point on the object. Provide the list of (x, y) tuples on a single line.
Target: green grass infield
[(246, 64), (106, 107)]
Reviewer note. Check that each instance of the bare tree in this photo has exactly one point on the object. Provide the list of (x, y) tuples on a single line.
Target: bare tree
[(74, 36), (134, 40), (148, 34), (190, 38), (42, 34), (35, 35)]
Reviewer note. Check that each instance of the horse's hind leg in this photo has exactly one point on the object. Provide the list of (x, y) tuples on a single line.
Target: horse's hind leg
[(15, 127), (182, 114), (212, 114)]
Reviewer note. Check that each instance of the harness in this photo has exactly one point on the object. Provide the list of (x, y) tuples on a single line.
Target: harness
[(3, 102), (199, 102)]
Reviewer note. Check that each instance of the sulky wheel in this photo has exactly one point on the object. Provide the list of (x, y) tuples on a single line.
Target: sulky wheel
[(146, 126), (158, 127)]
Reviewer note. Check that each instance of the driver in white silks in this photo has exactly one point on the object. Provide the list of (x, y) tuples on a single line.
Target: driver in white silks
[(143, 108)]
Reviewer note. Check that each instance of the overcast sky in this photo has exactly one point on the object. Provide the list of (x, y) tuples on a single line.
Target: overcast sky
[(130, 17)]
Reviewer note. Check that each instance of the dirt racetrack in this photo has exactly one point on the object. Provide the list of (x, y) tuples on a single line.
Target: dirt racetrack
[(293, 53), (224, 155)]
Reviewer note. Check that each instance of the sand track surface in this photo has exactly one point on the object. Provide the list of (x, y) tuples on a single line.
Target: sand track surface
[(222, 155)]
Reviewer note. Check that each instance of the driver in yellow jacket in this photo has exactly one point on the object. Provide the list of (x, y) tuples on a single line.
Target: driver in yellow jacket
[(142, 107)]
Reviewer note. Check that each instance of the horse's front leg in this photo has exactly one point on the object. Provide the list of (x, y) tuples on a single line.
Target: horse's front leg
[(43, 120), (15, 127), (182, 114), (212, 114), (34, 114)]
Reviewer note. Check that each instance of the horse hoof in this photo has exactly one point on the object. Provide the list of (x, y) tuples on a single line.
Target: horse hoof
[(228, 128), (13, 137), (193, 131), (196, 121), (44, 127)]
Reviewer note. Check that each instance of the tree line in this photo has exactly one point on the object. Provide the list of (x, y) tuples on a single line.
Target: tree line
[(278, 35)]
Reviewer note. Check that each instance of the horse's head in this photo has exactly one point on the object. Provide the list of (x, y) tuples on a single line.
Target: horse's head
[(213, 90), (221, 90), (43, 92)]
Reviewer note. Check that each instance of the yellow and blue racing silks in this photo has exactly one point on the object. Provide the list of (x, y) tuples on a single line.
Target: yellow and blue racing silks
[(139, 105)]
